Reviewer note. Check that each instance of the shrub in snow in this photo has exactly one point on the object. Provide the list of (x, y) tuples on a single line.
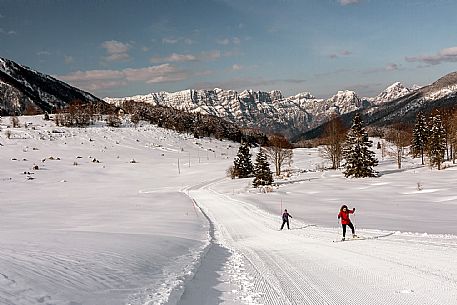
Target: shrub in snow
[(15, 121)]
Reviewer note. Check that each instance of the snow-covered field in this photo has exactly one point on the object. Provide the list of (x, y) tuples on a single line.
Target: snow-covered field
[(90, 226)]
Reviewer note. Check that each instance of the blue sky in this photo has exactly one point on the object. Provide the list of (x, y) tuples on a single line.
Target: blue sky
[(123, 48)]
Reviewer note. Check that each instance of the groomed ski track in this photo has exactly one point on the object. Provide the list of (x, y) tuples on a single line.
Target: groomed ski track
[(304, 266)]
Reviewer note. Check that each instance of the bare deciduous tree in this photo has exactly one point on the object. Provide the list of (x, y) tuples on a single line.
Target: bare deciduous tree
[(334, 138), (278, 151), (399, 137)]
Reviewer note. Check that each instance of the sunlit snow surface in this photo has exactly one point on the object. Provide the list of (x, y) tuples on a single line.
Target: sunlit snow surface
[(115, 216)]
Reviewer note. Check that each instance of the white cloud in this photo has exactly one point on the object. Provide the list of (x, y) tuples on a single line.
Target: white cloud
[(211, 55), (174, 40), (68, 59), (203, 56), (174, 57), (444, 55), (94, 80), (170, 40), (43, 53), (224, 41), (342, 53), (188, 41), (117, 57), (247, 83), (5, 32), (227, 41), (237, 67), (348, 2), (114, 47), (116, 50)]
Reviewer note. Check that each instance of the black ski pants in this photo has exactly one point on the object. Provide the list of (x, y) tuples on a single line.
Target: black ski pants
[(284, 222), (350, 225)]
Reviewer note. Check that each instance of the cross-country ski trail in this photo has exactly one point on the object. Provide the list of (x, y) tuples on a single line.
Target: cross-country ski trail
[(305, 267)]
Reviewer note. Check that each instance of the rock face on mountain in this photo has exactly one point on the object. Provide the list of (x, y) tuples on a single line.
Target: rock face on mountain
[(22, 89), (268, 111)]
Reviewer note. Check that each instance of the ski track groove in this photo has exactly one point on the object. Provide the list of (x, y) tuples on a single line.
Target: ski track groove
[(315, 276)]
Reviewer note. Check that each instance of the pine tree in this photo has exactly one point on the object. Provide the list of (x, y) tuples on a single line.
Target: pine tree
[(420, 135), (262, 172), (242, 165), (436, 146), (359, 158)]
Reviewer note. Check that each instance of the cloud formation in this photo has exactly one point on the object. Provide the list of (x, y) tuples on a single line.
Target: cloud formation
[(5, 32), (342, 53), (94, 80), (227, 41), (174, 57), (68, 59), (116, 50), (203, 56), (173, 40), (348, 2), (247, 83), (237, 67), (444, 55)]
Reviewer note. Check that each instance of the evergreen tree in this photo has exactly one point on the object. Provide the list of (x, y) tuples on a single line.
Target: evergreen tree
[(262, 172), (420, 135), (242, 165), (359, 158), (436, 146)]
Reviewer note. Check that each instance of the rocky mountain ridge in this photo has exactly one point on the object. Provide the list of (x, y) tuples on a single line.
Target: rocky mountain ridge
[(268, 111), (23, 89)]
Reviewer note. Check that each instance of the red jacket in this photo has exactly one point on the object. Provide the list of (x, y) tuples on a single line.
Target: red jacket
[(345, 216)]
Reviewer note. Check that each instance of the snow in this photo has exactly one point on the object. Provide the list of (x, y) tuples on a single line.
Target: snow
[(116, 232)]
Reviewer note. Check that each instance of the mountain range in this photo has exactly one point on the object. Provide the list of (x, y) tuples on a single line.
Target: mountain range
[(299, 116), (268, 111)]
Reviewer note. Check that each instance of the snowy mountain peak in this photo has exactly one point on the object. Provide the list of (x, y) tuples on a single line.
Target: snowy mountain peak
[(304, 95), (394, 91)]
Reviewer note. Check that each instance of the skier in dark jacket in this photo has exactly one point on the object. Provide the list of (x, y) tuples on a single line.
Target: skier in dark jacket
[(285, 219), (345, 221)]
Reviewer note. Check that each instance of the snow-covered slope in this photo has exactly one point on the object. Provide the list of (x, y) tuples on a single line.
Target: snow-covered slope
[(111, 216), (394, 91), (22, 88)]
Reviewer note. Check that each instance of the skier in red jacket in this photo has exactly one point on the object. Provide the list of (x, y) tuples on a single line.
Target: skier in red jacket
[(345, 221)]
